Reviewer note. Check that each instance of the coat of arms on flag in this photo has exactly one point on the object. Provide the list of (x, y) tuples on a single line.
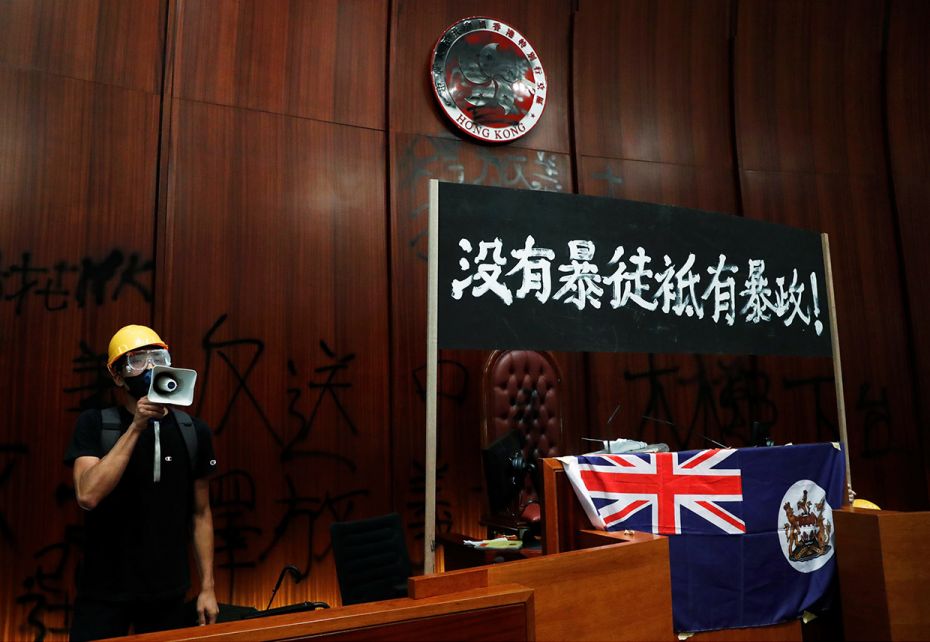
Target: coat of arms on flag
[(738, 556)]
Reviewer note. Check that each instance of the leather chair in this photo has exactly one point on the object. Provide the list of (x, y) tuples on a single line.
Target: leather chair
[(521, 391), (372, 562)]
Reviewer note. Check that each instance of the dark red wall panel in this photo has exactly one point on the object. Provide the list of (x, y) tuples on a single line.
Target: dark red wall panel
[(908, 107), (323, 59), (811, 154), (268, 214)]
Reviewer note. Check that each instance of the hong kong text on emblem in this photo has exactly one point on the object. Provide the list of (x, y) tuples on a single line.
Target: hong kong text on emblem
[(488, 79)]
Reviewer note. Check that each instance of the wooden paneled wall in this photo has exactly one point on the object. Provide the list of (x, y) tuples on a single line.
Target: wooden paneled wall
[(250, 177)]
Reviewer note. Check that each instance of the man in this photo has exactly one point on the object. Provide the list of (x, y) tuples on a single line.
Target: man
[(143, 493)]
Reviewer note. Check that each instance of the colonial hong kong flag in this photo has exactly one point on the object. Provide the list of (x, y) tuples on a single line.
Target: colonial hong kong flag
[(751, 533)]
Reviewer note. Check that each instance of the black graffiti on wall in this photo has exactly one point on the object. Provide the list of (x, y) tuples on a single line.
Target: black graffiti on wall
[(324, 389), (302, 511), (657, 411), (89, 280), (95, 389), (825, 428), (224, 350), (724, 408), (47, 590), (746, 398), (417, 502), (425, 158), (232, 500)]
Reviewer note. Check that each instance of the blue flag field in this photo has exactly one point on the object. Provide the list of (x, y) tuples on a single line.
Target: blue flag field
[(751, 530)]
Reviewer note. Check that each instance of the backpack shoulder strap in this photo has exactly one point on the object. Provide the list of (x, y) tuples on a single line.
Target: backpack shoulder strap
[(189, 433), (111, 428)]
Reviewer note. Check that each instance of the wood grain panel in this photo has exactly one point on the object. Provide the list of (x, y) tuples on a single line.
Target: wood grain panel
[(808, 94), (652, 123), (275, 289), (808, 86), (415, 160), (651, 81), (908, 101), (581, 588), (706, 188), (883, 574), (884, 443), (416, 25), (503, 623), (321, 59), (485, 614), (77, 192), (108, 41)]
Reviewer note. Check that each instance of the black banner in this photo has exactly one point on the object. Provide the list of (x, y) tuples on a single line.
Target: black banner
[(546, 271)]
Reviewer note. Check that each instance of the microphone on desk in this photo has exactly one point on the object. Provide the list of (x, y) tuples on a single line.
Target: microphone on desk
[(715, 442), (295, 573)]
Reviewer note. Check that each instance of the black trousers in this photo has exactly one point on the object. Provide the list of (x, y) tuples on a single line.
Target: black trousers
[(98, 619)]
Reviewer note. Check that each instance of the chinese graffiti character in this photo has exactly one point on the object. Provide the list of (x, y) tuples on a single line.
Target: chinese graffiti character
[(25, 282), (232, 495), (310, 510), (327, 389), (221, 350), (95, 393)]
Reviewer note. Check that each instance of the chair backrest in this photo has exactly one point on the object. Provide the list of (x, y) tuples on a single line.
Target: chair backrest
[(522, 391), (372, 562)]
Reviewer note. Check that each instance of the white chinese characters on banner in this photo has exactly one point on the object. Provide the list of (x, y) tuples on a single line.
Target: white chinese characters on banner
[(728, 293)]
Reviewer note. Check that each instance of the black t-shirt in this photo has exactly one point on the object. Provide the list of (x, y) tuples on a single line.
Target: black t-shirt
[(136, 538)]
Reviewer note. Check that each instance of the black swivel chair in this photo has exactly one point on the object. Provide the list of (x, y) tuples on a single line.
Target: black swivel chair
[(371, 557)]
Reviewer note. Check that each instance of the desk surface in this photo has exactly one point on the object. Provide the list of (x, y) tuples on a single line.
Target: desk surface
[(456, 555)]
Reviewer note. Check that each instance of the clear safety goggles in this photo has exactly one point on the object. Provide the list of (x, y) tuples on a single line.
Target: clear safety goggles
[(138, 362)]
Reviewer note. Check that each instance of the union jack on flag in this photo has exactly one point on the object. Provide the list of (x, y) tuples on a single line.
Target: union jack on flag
[(647, 491)]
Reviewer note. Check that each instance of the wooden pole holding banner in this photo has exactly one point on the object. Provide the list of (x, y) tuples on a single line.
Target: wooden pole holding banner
[(837, 362), (432, 363)]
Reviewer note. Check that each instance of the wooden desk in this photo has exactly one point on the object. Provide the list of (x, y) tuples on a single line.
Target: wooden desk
[(456, 555), (493, 613), (567, 528), (618, 591), (884, 573)]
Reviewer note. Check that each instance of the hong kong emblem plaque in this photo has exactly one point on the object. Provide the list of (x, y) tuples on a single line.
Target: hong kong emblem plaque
[(488, 79)]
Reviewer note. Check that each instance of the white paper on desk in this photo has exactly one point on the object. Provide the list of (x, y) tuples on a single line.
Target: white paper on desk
[(497, 543), (619, 447)]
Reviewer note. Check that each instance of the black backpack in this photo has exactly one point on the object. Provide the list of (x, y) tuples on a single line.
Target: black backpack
[(113, 428)]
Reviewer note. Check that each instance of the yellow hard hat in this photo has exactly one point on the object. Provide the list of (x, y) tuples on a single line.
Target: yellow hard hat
[(864, 503), (132, 337)]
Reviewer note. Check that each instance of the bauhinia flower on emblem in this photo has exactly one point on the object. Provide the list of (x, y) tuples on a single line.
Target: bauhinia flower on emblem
[(488, 79)]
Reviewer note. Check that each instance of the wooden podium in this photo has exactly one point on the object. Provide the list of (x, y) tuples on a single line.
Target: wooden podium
[(884, 574), (566, 528), (617, 591)]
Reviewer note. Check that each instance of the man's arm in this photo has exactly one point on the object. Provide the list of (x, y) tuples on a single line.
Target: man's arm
[(95, 478), (207, 608)]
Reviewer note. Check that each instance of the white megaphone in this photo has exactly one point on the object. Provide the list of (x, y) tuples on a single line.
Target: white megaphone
[(172, 385)]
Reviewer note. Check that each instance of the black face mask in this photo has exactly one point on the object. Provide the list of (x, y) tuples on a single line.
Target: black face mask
[(139, 385)]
